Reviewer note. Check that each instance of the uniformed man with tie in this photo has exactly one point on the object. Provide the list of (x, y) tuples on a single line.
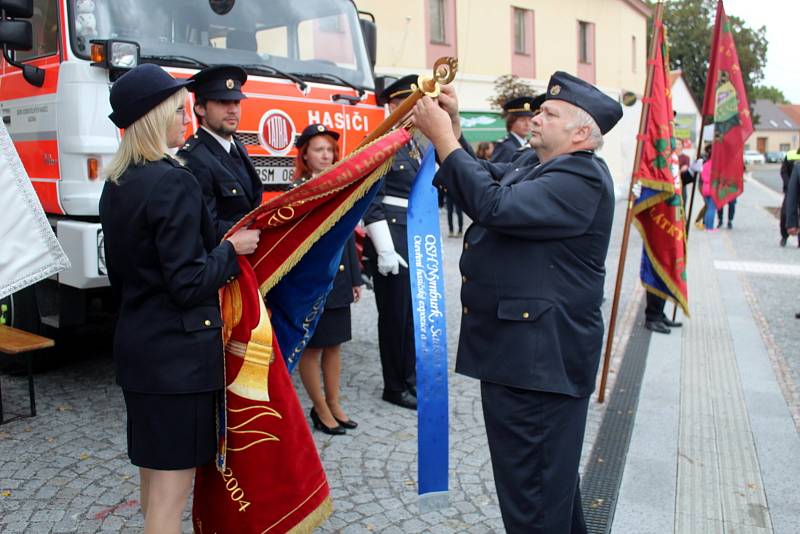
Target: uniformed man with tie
[(519, 113), (533, 269), (229, 181), (387, 250)]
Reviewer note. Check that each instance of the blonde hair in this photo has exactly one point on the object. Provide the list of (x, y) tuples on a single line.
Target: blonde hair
[(146, 139)]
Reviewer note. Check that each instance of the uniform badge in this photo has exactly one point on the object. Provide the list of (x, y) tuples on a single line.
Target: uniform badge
[(320, 128), (555, 90), (229, 83)]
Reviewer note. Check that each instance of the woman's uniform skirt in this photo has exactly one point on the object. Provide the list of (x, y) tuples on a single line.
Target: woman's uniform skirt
[(170, 432), (333, 328)]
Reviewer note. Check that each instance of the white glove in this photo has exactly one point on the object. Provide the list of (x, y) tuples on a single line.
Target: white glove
[(637, 189), (389, 261)]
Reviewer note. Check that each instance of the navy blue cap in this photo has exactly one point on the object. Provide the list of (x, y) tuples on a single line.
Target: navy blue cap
[(400, 88), (311, 130), (220, 82), (140, 90), (605, 111), (523, 106)]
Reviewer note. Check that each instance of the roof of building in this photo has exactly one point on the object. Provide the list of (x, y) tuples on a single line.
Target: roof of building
[(771, 117), (792, 110), (641, 7)]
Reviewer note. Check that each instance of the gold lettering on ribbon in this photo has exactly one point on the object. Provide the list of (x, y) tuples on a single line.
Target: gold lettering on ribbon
[(281, 216)]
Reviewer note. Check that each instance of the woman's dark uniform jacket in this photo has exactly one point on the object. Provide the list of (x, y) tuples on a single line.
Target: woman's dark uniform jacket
[(231, 191), (505, 149), (347, 277), (533, 268), (165, 264)]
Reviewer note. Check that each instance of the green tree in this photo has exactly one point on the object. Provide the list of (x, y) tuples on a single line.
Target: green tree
[(768, 92), (690, 25), (507, 87)]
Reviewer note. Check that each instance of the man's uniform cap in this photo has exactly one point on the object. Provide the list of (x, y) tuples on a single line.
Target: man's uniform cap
[(605, 111), (221, 82)]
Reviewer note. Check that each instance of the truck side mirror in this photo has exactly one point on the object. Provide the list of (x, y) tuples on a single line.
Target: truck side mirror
[(17, 9), (370, 32), (16, 34)]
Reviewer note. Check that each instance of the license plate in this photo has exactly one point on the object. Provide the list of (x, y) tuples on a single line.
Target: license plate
[(275, 175)]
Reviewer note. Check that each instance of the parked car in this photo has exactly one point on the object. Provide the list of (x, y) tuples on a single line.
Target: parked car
[(775, 156), (753, 156)]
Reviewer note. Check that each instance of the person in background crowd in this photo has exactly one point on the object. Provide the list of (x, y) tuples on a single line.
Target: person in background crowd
[(387, 250), (731, 212), (705, 182), (485, 150), (318, 149), (533, 335), (792, 203), (518, 113), (218, 160), (166, 266), (788, 164)]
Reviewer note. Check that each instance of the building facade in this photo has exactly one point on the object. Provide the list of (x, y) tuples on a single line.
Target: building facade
[(774, 131), (602, 41)]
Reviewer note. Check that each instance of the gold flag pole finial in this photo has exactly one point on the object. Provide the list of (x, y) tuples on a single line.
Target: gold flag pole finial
[(444, 71)]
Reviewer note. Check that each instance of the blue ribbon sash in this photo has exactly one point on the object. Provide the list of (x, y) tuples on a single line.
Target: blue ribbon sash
[(426, 271)]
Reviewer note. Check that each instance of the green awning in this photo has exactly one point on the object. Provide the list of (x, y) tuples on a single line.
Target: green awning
[(482, 126)]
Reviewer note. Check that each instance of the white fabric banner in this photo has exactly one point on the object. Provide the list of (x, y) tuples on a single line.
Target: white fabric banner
[(29, 250)]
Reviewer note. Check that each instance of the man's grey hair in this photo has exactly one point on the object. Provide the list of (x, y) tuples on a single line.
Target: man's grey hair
[(579, 119)]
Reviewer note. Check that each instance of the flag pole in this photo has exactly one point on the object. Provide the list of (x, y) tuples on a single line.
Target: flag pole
[(629, 213)]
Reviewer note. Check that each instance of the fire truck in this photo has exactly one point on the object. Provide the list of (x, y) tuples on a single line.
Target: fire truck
[(309, 61)]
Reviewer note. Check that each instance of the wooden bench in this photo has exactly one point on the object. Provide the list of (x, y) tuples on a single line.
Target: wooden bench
[(14, 341)]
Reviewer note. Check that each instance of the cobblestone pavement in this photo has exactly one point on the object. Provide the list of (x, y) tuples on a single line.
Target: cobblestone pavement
[(66, 470)]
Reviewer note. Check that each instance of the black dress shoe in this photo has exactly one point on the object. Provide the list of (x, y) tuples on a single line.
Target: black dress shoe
[(657, 326), (401, 398), (797, 315), (672, 324), (337, 430), (349, 424)]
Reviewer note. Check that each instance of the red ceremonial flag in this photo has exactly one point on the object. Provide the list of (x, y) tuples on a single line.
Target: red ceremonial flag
[(726, 101), (268, 477), (659, 209)]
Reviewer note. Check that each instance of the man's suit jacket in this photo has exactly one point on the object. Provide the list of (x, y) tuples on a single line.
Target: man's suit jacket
[(505, 149), (166, 266), (229, 194), (533, 268)]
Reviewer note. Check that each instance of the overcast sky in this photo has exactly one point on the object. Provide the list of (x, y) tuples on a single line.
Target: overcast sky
[(782, 19)]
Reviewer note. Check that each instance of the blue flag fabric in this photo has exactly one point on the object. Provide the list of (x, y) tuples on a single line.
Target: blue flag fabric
[(426, 276), (297, 301)]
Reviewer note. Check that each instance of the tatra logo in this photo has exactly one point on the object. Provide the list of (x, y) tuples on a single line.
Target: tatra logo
[(229, 83), (555, 90), (276, 132)]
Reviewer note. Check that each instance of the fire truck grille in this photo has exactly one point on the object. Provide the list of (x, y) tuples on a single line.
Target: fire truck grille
[(268, 161), (248, 138)]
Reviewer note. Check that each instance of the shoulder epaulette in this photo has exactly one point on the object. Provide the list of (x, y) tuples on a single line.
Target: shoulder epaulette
[(191, 143)]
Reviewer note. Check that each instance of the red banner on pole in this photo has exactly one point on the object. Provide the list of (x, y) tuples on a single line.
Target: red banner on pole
[(726, 101), (659, 209)]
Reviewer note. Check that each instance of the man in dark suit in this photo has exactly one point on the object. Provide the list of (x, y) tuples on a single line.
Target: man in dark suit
[(518, 113), (533, 334), (387, 250), (230, 184)]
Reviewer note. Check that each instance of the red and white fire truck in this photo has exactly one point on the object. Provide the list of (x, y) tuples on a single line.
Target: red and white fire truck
[(309, 61)]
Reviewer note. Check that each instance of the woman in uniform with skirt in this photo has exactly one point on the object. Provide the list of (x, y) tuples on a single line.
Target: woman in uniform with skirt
[(317, 150), (166, 267)]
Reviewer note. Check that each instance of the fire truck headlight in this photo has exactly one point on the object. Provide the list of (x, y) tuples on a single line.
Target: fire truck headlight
[(123, 54)]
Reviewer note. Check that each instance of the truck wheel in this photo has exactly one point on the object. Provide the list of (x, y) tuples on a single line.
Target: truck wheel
[(21, 311)]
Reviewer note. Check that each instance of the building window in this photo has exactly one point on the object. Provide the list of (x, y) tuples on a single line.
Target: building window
[(520, 35), (784, 147), (437, 17), (584, 41), (633, 53)]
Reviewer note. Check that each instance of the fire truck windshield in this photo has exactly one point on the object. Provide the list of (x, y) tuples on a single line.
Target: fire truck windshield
[(311, 38)]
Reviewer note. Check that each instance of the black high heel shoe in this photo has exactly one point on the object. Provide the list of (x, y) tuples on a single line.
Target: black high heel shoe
[(319, 425), (349, 424)]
